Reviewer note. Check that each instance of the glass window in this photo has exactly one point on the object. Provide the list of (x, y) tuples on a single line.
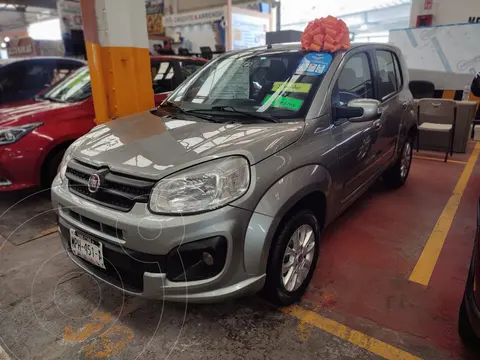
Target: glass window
[(189, 67), (354, 81), (398, 72), (269, 82), (75, 88), (387, 77), (14, 79), (163, 75)]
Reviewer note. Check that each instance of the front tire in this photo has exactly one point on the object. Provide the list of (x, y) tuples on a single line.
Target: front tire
[(51, 169), (293, 258), (396, 176)]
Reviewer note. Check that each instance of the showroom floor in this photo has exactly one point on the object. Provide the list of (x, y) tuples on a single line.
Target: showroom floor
[(378, 291)]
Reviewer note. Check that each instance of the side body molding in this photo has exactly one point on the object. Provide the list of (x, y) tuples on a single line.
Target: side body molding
[(273, 206)]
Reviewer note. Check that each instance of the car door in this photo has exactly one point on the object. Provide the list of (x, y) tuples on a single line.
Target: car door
[(358, 147), (389, 84)]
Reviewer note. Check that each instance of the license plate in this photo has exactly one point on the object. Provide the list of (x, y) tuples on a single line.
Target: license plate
[(87, 248)]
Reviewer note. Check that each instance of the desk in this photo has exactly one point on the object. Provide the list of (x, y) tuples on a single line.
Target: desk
[(436, 141)]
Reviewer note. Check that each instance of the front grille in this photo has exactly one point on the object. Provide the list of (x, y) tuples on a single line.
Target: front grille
[(124, 267), (104, 228), (119, 192)]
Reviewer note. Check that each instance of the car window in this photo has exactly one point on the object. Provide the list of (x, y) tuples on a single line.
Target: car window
[(74, 88), (272, 82), (163, 74), (13, 78), (40, 75), (387, 77), (63, 69), (189, 67), (354, 81), (398, 72)]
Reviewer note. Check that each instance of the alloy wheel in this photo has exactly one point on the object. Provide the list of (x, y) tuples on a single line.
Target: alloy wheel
[(298, 257), (406, 160)]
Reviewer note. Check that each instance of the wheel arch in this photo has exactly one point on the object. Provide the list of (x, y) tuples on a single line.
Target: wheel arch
[(57, 148), (305, 187)]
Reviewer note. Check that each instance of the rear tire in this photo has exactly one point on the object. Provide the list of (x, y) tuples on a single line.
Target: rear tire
[(396, 176), (293, 258), (465, 328)]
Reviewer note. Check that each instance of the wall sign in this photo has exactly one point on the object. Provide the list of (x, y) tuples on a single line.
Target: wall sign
[(21, 47), (474, 19), (194, 18)]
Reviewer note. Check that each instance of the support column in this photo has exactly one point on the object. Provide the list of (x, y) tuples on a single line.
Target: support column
[(118, 57)]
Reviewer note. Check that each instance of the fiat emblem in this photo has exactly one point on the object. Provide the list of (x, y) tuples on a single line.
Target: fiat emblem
[(94, 183)]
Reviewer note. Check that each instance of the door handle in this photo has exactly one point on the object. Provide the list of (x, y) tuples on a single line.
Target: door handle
[(377, 124)]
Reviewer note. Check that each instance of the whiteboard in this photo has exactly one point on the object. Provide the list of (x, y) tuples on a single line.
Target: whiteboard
[(448, 48)]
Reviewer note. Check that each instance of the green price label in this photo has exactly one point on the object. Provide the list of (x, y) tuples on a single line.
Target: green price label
[(284, 102)]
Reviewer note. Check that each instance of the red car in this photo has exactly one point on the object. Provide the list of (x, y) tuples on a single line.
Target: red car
[(35, 134)]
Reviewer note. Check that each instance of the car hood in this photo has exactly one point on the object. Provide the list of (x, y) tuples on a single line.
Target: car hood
[(25, 114), (153, 146)]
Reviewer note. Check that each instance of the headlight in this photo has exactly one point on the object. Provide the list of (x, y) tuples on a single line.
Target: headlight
[(11, 135), (62, 169), (203, 187)]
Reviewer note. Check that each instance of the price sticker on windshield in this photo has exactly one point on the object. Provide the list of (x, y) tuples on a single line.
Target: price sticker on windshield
[(283, 102), (314, 64), (291, 87)]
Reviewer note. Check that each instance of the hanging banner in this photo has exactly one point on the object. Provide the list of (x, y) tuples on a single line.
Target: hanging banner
[(155, 10)]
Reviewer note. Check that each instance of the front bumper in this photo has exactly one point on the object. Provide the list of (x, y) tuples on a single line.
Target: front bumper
[(18, 168), (154, 235)]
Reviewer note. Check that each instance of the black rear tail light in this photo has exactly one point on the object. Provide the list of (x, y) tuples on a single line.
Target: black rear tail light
[(198, 260)]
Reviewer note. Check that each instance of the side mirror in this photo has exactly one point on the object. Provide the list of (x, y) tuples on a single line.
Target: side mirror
[(359, 110)]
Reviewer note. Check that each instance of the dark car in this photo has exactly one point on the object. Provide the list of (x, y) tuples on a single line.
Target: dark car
[(469, 317), (22, 79)]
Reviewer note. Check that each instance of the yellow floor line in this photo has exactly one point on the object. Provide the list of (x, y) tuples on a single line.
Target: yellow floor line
[(428, 259), (352, 336), (437, 159)]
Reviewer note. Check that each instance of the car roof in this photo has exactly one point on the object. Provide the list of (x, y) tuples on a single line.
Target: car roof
[(297, 46), (11, 60), (177, 57)]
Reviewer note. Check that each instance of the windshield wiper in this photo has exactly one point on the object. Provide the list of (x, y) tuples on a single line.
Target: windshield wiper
[(53, 99), (188, 112), (231, 109)]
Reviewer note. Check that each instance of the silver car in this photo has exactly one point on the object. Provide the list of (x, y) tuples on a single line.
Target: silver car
[(225, 189)]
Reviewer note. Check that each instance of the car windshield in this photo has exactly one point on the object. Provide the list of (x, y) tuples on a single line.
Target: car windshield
[(273, 83), (74, 88)]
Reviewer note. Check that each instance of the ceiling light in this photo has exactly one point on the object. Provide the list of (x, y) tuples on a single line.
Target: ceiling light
[(7, 39), (3, 45)]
